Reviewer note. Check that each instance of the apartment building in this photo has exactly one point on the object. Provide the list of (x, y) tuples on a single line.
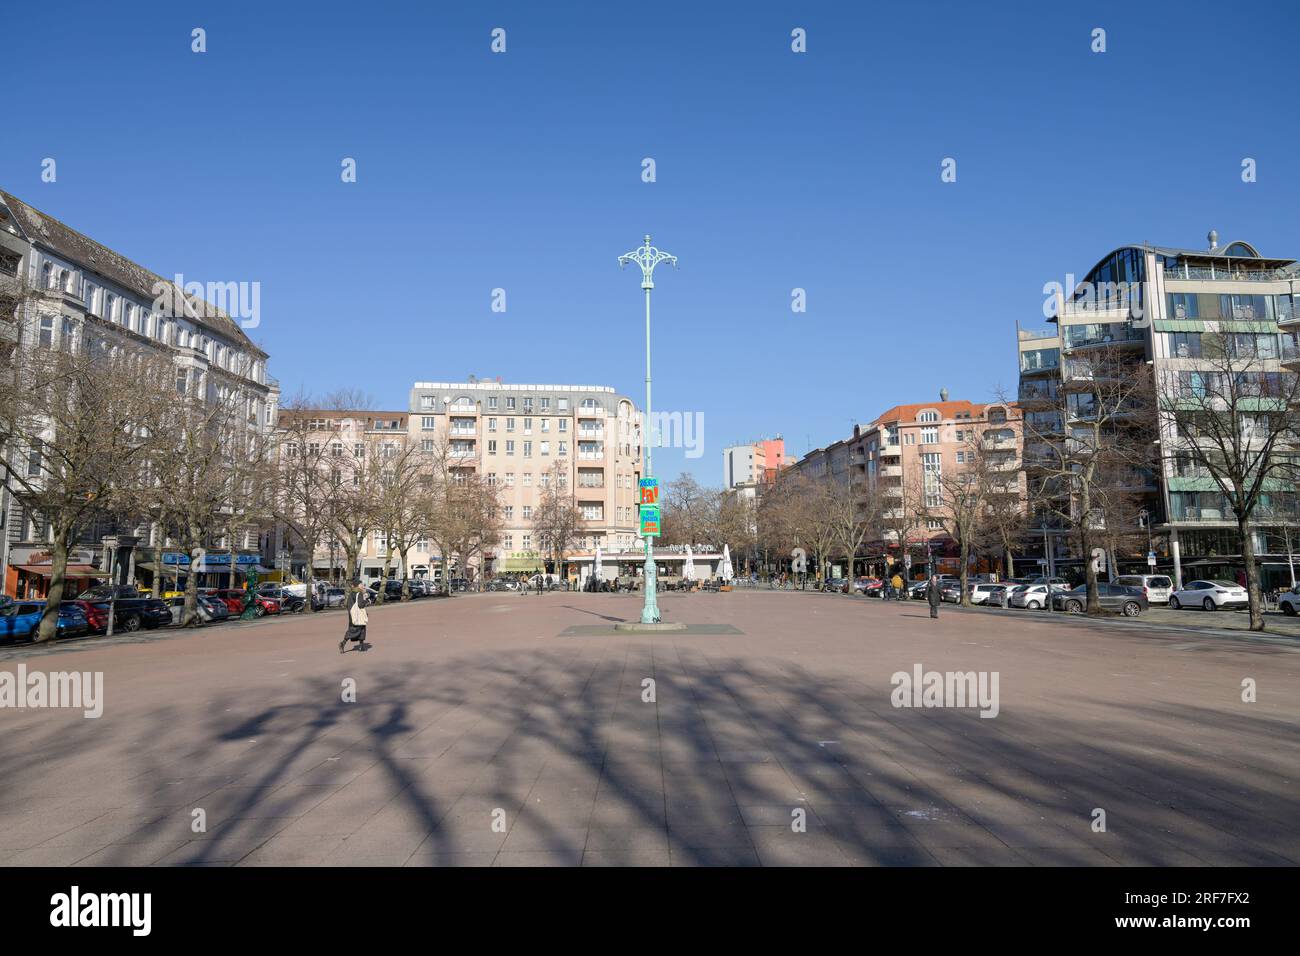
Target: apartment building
[(1176, 310), (907, 450), (336, 439), (903, 455), (517, 435), (77, 294), (745, 468)]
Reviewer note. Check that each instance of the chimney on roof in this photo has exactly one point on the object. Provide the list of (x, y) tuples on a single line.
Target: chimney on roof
[(1214, 239), (943, 395)]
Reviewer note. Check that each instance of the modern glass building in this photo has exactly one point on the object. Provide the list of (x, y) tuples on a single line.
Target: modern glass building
[(1178, 311)]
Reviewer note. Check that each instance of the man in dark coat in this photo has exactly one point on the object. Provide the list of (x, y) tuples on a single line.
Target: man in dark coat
[(932, 595), (359, 597)]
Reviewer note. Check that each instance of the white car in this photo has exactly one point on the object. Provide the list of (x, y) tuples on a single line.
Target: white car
[(1032, 596), (1210, 595), (1289, 603), (980, 593)]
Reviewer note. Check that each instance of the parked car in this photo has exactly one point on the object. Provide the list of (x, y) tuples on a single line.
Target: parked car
[(96, 614), (1210, 596), (1289, 602), (1032, 597), (215, 607), (1126, 599), (499, 584), (289, 603), (982, 592), (330, 597), (104, 592), (132, 609), (22, 619), (176, 606), (997, 595), (950, 591), (917, 591), (1054, 582), (1157, 587)]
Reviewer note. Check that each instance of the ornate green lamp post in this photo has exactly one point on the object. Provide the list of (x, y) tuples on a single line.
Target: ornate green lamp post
[(647, 257)]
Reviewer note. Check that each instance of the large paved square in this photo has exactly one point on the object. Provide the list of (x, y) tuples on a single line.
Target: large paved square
[(508, 730)]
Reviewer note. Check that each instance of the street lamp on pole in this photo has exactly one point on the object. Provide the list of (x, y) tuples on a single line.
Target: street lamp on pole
[(647, 257)]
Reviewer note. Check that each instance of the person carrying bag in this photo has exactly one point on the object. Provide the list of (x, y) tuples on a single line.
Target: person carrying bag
[(358, 617)]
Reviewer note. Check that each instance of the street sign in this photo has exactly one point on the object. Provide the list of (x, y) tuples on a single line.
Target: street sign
[(650, 526), (1151, 559), (649, 491)]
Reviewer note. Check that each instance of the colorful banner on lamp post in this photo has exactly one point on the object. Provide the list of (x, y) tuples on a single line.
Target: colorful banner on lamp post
[(649, 491), (650, 526)]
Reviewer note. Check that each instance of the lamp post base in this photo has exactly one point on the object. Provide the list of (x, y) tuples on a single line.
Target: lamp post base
[(639, 627)]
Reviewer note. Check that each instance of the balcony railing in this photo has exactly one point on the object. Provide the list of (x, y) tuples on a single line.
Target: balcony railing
[(1227, 274)]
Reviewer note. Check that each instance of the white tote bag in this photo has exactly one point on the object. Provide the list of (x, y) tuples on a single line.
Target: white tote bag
[(359, 616)]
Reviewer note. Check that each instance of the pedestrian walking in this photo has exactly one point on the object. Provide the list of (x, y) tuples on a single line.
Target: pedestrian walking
[(357, 601), (932, 595), (896, 582)]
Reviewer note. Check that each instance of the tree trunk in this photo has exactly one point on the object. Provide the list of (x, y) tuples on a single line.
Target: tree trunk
[(49, 626), (1090, 574), (190, 612), (965, 572), (308, 591), (1009, 568), (1252, 575)]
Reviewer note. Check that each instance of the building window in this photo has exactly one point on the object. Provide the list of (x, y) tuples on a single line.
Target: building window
[(510, 479), (929, 435), (933, 467), (546, 448), (928, 417), (426, 445), (510, 448), (564, 448), (528, 512), (562, 404), (546, 404), (492, 402), (528, 542), (428, 423), (528, 479), (528, 449), (509, 511), (510, 424), (492, 447), (492, 479), (492, 424), (934, 524), (426, 401), (510, 402), (46, 337)]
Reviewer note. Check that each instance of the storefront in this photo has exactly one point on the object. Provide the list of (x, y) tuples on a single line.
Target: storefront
[(30, 568)]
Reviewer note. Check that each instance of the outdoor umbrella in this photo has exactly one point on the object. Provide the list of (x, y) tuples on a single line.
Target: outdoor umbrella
[(726, 572), (688, 569), (595, 566)]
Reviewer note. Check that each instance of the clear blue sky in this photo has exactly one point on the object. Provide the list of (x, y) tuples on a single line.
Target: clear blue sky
[(775, 171)]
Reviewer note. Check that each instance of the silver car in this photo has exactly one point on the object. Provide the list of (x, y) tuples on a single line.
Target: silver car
[(1032, 597)]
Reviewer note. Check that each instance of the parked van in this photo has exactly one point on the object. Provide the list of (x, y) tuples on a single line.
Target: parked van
[(1158, 587)]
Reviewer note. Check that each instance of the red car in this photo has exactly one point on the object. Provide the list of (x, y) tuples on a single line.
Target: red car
[(96, 614), (234, 599)]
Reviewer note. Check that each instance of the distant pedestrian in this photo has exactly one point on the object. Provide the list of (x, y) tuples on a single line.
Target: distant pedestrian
[(932, 595), (896, 584), (357, 601)]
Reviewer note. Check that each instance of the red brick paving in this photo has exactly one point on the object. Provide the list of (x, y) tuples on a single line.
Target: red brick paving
[(474, 709)]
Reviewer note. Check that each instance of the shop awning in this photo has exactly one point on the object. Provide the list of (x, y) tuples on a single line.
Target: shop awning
[(71, 571)]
